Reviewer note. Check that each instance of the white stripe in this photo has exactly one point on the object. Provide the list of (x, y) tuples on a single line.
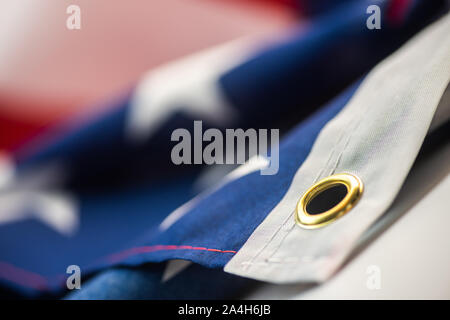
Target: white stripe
[(417, 241), (189, 85), (253, 164), (377, 137), (173, 268), (57, 210)]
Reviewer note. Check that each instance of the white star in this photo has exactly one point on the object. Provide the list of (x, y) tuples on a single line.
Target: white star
[(28, 197), (189, 85), (57, 210)]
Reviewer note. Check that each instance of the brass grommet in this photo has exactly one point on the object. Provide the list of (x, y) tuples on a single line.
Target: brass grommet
[(311, 221)]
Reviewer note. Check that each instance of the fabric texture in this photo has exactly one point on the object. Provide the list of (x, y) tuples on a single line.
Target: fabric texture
[(406, 249), (101, 190), (165, 281), (376, 136)]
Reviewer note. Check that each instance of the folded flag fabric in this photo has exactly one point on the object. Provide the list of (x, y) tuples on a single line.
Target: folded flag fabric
[(100, 191)]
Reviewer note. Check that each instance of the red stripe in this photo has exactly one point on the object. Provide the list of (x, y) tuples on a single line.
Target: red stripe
[(33, 280), (397, 11), (146, 249)]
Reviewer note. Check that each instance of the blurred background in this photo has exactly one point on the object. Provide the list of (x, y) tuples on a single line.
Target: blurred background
[(48, 72)]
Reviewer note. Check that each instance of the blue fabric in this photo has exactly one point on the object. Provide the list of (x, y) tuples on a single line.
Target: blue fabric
[(317, 61), (222, 221), (144, 282), (226, 218), (124, 190)]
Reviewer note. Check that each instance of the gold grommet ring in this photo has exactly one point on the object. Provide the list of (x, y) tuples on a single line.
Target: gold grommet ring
[(308, 220)]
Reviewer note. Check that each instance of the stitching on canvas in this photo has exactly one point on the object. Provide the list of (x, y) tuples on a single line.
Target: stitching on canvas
[(349, 133)]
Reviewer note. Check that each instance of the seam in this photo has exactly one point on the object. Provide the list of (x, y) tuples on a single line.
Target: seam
[(148, 249), (39, 282), (349, 133), (246, 264), (23, 277), (345, 133), (338, 159)]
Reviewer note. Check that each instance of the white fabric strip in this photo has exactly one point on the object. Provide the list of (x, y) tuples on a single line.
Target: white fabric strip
[(410, 258), (377, 137)]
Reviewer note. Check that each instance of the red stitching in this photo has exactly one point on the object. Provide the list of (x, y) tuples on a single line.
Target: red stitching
[(146, 249), (38, 282)]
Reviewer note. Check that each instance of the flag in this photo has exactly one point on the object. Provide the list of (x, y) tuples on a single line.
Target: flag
[(100, 191)]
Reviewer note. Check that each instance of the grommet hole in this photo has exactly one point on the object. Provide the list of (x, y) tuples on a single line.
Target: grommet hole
[(327, 199)]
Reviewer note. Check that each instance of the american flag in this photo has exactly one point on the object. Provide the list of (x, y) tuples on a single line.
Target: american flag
[(95, 186)]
